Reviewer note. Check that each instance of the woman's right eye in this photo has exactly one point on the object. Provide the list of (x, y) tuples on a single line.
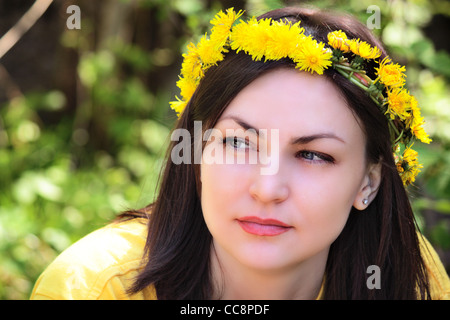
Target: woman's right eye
[(236, 143)]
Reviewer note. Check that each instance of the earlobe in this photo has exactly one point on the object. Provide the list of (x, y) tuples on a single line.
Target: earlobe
[(369, 187)]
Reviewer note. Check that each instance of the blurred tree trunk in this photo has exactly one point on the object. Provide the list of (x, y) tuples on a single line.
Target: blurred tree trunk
[(114, 16)]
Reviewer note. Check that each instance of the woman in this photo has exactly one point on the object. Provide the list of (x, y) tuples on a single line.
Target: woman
[(313, 97)]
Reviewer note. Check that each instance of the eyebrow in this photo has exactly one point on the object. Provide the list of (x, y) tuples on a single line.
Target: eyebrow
[(240, 122), (294, 141), (308, 139)]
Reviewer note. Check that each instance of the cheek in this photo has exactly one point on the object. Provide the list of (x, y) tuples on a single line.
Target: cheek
[(222, 189), (325, 201), (222, 195)]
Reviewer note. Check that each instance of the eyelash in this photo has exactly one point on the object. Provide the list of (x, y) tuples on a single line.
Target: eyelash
[(306, 155), (229, 141)]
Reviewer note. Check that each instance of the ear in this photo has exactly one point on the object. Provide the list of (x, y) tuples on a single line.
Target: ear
[(369, 187)]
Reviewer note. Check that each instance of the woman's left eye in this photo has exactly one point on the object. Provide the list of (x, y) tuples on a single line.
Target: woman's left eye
[(315, 157)]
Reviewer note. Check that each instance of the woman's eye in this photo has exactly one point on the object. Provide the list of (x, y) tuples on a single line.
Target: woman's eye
[(310, 155), (236, 143), (315, 157)]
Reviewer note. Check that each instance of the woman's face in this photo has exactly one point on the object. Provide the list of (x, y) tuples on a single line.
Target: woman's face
[(291, 212)]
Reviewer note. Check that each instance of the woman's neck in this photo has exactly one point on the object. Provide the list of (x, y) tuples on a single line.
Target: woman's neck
[(232, 281)]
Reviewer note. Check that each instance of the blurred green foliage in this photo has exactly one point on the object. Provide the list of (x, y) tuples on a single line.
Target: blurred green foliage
[(65, 171)]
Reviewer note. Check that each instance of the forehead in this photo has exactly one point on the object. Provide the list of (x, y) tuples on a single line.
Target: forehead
[(295, 102)]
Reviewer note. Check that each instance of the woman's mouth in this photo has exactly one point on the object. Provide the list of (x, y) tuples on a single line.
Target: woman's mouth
[(263, 227)]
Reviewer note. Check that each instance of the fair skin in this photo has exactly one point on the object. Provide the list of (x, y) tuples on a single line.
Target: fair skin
[(322, 172)]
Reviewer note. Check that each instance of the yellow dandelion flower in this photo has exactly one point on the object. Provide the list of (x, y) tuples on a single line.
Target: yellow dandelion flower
[(408, 166), (412, 167), (368, 52), (312, 56), (178, 106), (187, 87), (399, 103), (208, 52), (225, 20), (410, 156), (413, 113), (338, 40), (391, 74), (253, 38), (239, 35), (363, 49), (415, 107), (283, 39), (415, 121), (222, 23), (192, 64), (418, 131)]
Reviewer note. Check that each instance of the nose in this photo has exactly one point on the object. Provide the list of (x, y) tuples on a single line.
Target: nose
[(271, 188)]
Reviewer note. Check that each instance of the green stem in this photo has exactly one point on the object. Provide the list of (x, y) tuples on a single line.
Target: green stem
[(374, 99), (341, 69), (352, 80), (348, 68), (399, 137), (397, 134)]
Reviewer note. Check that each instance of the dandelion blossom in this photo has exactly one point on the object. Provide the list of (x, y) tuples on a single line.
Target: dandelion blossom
[(418, 131), (208, 52), (391, 74), (187, 87), (178, 106), (283, 39), (408, 166), (338, 40), (312, 56), (192, 64), (363, 49), (222, 24), (399, 103), (252, 37)]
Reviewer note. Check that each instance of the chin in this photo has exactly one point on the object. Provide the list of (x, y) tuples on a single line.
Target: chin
[(268, 260)]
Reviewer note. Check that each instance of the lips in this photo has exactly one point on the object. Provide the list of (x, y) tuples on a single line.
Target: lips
[(263, 227)]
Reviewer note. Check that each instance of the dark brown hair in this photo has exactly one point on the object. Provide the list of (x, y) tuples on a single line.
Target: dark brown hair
[(177, 253)]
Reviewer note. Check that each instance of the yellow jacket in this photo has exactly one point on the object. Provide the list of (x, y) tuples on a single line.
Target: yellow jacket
[(103, 264)]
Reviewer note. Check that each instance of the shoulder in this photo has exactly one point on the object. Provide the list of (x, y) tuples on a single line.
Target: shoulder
[(438, 277), (101, 265)]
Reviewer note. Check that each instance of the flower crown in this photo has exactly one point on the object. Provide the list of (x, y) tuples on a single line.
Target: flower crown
[(275, 40)]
